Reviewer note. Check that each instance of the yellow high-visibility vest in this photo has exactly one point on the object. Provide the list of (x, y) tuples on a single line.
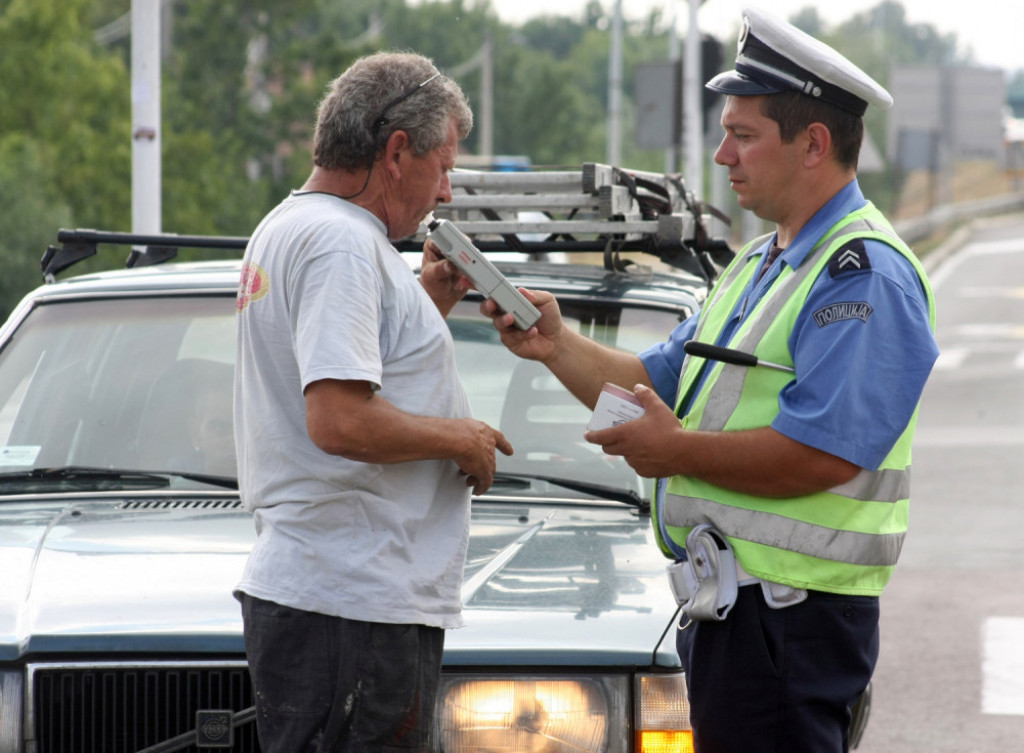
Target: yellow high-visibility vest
[(843, 540)]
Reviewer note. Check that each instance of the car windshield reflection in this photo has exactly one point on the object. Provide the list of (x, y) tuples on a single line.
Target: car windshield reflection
[(94, 392), (540, 417), (143, 386)]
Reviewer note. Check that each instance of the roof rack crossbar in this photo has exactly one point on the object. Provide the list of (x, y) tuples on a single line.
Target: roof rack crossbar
[(159, 239), (148, 249)]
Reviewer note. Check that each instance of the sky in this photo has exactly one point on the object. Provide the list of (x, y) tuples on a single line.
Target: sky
[(992, 28)]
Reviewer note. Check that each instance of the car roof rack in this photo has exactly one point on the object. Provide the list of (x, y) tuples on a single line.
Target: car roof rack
[(595, 208), (536, 212), (76, 245)]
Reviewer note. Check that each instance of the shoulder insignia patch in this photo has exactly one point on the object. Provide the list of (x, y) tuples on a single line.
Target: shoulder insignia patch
[(841, 312), (852, 257)]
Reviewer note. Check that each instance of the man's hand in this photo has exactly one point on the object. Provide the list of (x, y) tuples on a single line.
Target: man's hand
[(645, 443), (758, 461), (441, 279), (350, 419), (578, 362), (478, 462), (536, 343)]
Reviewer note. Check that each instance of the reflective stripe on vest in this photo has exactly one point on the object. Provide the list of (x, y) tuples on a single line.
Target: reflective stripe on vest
[(846, 539)]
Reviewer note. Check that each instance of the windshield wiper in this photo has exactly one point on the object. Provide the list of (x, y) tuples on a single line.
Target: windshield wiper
[(119, 477), (80, 476), (228, 482), (626, 496)]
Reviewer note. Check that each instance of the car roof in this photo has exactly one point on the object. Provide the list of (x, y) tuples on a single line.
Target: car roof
[(599, 212), (641, 286)]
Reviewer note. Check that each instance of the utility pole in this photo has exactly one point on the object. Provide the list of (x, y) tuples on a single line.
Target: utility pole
[(615, 89), (482, 59), (146, 122), (672, 152), (487, 98), (693, 113)]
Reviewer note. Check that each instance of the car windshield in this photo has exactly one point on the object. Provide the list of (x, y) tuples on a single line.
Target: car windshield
[(118, 384), (542, 420), (93, 392)]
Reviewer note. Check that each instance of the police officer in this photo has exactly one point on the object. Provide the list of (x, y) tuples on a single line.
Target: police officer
[(801, 475)]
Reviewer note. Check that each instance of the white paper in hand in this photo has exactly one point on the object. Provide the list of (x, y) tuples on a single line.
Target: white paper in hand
[(615, 405)]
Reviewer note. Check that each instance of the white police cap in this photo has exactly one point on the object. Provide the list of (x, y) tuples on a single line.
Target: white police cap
[(773, 56)]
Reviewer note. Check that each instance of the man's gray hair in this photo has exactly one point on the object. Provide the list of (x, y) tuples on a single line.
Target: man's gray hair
[(352, 125)]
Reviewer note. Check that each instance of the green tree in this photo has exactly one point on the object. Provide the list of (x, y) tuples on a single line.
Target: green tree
[(64, 150), (557, 35), (31, 211), (542, 112), (227, 136), (241, 82), (73, 101)]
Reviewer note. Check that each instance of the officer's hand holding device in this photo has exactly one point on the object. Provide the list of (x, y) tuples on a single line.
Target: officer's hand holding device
[(486, 278)]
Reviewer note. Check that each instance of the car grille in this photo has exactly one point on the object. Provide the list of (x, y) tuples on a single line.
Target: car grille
[(123, 708)]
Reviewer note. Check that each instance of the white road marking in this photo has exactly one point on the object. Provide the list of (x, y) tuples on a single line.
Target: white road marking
[(947, 268), (970, 436), (955, 357), (990, 331), (1002, 665), (991, 291), (950, 358)]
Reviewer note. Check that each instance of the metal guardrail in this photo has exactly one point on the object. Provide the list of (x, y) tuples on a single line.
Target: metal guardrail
[(946, 216)]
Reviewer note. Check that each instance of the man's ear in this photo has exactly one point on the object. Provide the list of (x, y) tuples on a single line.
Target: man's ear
[(397, 144), (819, 143)]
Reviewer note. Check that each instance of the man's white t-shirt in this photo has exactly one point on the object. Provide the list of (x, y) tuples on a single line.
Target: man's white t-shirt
[(324, 295)]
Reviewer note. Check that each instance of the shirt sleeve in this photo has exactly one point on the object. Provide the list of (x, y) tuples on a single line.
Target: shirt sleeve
[(863, 348), (664, 361), (336, 317)]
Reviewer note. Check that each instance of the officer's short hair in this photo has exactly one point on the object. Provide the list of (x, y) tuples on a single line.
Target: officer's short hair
[(794, 112)]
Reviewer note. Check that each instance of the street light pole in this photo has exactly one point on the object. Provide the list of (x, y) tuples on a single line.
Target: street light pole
[(693, 114), (146, 165), (615, 88)]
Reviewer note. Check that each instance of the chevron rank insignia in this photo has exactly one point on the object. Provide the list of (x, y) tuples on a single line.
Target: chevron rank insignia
[(852, 257)]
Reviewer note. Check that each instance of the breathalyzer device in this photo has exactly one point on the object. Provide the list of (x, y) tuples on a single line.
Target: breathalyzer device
[(460, 251)]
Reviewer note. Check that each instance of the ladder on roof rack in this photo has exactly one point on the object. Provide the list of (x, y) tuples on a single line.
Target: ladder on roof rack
[(596, 208)]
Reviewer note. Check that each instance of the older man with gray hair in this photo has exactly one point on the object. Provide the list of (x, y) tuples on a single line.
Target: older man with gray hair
[(356, 449)]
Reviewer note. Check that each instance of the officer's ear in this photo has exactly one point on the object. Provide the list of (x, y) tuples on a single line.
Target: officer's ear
[(819, 144)]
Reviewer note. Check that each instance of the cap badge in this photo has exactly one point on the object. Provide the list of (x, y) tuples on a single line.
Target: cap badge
[(744, 31)]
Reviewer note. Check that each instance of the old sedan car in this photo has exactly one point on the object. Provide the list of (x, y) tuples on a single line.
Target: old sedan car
[(122, 534)]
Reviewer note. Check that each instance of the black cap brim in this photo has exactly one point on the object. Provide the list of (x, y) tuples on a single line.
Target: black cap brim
[(740, 85)]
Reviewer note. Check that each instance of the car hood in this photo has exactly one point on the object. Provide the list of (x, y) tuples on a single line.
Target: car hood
[(544, 584)]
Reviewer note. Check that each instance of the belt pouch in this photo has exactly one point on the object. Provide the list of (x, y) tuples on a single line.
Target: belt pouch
[(712, 574)]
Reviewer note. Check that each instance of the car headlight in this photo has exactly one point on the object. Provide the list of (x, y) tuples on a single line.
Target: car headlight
[(10, 711), (477, 714), (662, 714)]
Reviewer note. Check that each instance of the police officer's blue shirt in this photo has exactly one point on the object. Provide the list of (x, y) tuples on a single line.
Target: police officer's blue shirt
[(858, 380)]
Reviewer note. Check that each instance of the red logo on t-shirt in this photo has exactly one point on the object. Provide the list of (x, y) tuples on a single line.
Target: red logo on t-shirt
[(252, 286)]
